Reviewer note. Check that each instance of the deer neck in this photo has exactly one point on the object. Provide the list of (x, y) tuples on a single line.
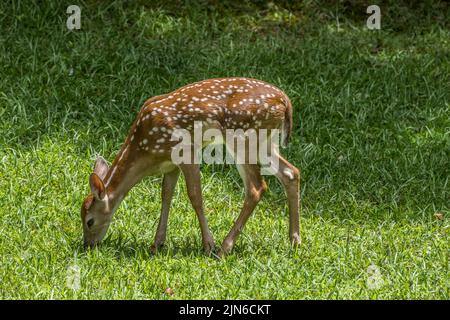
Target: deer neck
[(122, 176)]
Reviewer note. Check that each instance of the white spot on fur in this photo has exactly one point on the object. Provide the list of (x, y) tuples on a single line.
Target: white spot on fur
[(288, 173)]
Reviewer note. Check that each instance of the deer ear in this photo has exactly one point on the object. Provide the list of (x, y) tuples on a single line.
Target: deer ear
[(97, 186), (101, 167)]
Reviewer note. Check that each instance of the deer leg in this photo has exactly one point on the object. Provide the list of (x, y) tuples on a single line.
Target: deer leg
[(254, 189), (168, 187), (191, 173), (289, 176)]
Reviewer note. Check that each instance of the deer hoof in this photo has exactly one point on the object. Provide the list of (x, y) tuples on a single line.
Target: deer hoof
[(296, 240), (155, 247), (209, 246)]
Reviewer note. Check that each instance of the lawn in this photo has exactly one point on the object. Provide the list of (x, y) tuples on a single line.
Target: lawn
[(371, 137)]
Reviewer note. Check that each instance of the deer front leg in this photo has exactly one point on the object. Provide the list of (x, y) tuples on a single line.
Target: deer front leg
[(168, 187), (191, 173)]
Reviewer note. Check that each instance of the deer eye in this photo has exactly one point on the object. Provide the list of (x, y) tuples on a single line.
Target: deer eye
[(90, 222)]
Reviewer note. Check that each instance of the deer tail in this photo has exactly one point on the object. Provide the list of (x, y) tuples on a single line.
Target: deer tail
[(287, 123)]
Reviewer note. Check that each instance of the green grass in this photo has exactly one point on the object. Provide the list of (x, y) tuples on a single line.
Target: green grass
[(371, 137)]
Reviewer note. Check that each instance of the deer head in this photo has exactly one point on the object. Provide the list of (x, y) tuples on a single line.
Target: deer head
[(96, 212)]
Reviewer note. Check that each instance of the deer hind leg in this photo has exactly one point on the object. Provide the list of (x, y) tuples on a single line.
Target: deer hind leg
[(289, 176), (255, 186), (168, 187), (191, 173)]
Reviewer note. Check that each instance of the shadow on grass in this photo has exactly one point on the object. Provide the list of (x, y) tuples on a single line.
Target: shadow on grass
[(140, 248), (130, 247)]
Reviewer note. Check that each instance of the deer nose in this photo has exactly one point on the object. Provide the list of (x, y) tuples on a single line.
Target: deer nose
[(88, 243)]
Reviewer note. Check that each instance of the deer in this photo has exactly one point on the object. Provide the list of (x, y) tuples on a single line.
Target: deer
[(222, 103)]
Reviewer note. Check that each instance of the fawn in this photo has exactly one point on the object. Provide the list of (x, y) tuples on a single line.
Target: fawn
[(222, 103)]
